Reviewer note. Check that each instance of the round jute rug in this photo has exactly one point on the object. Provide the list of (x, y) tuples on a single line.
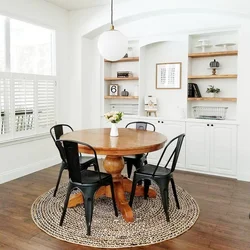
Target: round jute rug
[(107, 231)]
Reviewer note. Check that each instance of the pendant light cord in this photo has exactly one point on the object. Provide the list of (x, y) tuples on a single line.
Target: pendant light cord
[(112, 22)]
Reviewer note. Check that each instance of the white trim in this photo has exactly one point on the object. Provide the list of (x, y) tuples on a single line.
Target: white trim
[(24, 139), (22, 171)]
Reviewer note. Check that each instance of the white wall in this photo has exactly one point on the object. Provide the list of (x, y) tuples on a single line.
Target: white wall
[(19, 159), (170, 101), (166, 21)]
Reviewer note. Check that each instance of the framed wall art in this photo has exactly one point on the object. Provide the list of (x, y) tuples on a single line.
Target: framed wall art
[(113, 89), (168, 75)]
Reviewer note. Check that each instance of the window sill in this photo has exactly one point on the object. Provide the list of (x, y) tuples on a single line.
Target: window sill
[(23, 139)]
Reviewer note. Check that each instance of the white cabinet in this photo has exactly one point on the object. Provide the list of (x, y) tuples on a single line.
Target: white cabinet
[(211, 148), (170, 129)]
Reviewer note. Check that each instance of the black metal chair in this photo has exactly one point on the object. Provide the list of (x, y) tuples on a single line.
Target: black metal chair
[(87, 181), (140, 159), (56, 132), (160, 175)]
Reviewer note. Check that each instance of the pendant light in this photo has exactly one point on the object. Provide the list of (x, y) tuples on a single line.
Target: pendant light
[(112, 44)]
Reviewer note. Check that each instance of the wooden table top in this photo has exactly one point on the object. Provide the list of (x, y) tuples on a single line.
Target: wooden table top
[(130, 141)]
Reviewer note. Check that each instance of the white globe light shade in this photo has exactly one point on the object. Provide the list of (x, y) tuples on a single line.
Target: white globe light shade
[(112, 45)]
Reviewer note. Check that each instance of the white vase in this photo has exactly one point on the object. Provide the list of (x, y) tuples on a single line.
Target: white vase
[(113, 130), (211, 94)]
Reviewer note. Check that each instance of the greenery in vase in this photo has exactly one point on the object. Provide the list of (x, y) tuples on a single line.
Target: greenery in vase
[(212, 89), (114, 116)]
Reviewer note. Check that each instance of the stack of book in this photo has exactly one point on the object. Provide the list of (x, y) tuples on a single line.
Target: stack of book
[(123, 74), (193, 90)]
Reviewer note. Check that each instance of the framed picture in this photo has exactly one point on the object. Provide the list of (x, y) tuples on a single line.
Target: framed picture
[(168, 75), (113, 89)]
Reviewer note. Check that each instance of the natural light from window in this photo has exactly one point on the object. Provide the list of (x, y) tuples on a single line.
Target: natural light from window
[(31, 48)]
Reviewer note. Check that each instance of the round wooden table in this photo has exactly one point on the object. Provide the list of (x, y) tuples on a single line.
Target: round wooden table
[(129, 142)]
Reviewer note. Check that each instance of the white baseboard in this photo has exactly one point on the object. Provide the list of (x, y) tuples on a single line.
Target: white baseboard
[(22, 171)]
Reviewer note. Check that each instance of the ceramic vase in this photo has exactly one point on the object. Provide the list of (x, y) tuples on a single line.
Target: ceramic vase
[(211, 94), (113, 130)]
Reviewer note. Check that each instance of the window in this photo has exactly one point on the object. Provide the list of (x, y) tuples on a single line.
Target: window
[(27, 79)]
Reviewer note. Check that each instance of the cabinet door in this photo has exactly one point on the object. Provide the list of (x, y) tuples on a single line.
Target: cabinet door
[(223, 149), (170, 130), (197, 146)]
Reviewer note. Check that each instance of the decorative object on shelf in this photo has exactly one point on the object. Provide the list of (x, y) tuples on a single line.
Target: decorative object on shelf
[(113, 89), (203, 44), (214, 65), (168, 75), (150, 105), (190, 90), (114, 117), (125, 108), (211, 90), (225, 45), (112, 44), (214, 113), (124, 74), (193, 90), (126, 55), (125, 93)]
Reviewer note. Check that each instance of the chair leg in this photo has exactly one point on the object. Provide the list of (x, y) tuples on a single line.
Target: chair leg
[(88, 204), (66, 203), (132, 194), (59, 178), (113, 198), (129, 168), (138, 165), (165, 198), (175, 193), (147, 183)]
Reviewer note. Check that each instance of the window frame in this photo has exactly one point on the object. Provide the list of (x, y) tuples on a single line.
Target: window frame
[(12, 137)]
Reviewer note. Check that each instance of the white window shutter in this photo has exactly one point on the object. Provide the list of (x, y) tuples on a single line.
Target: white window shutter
[(24, 104), (5, 107), (46, 104)]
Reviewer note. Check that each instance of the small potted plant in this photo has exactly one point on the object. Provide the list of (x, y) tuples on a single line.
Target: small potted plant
[(211, 90)]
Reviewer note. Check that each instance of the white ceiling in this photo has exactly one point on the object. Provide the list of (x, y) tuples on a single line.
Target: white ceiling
[(80, 4)]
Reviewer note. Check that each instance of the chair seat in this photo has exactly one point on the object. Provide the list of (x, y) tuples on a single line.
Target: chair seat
[(133, 157), (90, 177), (149, 170), (86, 160)]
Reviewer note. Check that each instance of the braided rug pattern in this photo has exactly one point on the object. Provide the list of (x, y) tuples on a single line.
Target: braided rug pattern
[(107, 231)]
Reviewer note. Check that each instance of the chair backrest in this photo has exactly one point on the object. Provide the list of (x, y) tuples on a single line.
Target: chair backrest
[(141, 125), (175, 154), (72, 156), (56, 132)]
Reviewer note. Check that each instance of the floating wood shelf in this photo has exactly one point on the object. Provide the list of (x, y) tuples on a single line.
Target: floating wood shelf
[(213, 76), (120, 97), (121, 79), (218, 99), (211, 54), (126, 59)]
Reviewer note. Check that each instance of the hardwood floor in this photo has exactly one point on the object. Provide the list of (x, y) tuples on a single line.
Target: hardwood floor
[(223, 223)]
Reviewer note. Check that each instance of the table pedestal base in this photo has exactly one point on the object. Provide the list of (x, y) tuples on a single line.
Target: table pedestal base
[(114, 165)]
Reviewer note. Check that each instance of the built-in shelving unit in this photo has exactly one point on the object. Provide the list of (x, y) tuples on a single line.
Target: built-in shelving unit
[(121, 79), (200, 71), (126, 59), (120, 97), (213, 54), (122, 93), (218, 99), (213, 76)]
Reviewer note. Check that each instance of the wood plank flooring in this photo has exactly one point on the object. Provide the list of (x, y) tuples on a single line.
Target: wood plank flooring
[(223, 223)]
